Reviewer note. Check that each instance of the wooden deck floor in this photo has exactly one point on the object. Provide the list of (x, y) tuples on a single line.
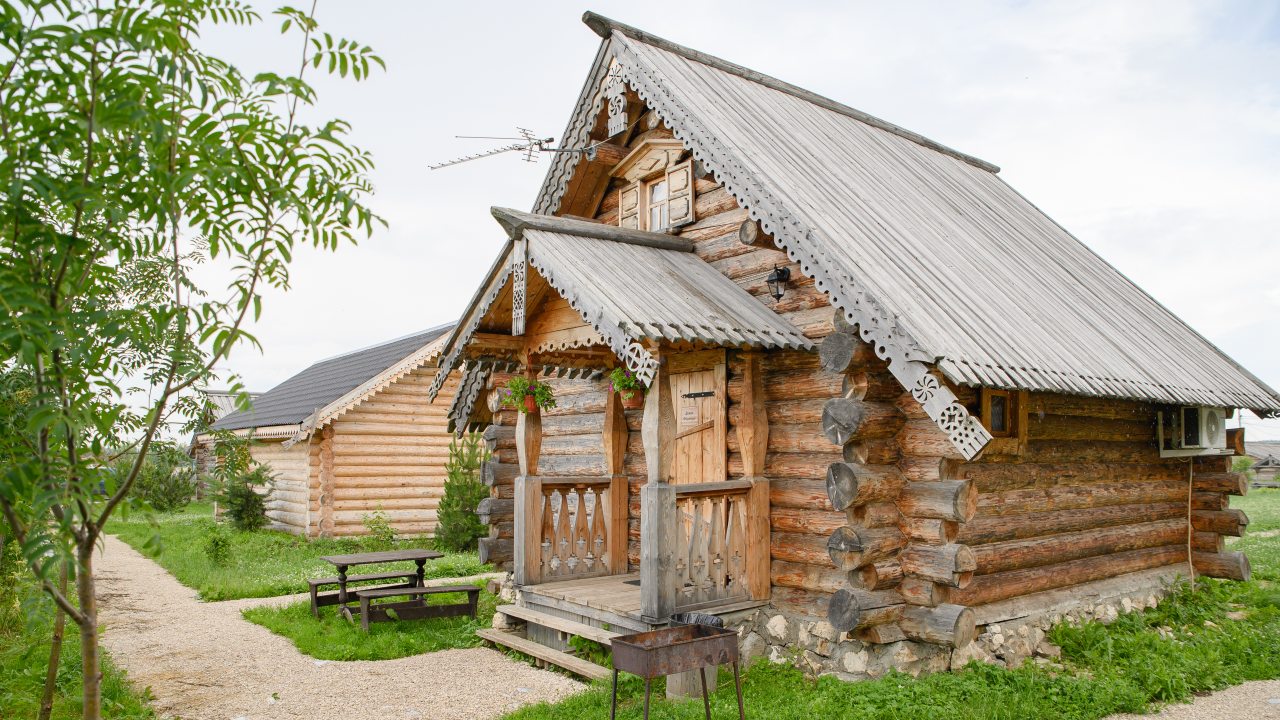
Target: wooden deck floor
[(618, 594), (614, 599)]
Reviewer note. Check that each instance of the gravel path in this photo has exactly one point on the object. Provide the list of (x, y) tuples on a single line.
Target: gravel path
[(203, 661), (1256, 700)]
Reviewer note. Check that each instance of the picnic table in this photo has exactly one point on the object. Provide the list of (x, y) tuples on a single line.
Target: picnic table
[(414, 588)]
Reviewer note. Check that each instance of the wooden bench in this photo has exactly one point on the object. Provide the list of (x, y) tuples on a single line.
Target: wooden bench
[(319, 599), (416, 608)]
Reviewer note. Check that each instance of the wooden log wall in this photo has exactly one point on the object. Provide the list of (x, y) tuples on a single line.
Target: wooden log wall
[(1088, 498), (572, 446), (902, 509), (389, 454), (288, 497)]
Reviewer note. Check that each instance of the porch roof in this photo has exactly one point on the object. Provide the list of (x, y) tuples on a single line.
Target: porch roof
[(630, 286)]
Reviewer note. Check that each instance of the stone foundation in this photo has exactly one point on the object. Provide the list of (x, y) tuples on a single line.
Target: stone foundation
[(1009, 633)]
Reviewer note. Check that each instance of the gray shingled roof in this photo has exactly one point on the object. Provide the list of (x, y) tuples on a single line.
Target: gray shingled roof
[(293, 400), (926, 248), (1262, 449)]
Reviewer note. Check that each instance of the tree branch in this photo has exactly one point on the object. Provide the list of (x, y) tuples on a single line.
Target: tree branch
[(20, 535)]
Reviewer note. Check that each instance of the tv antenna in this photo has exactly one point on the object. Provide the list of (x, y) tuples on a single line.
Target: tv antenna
[(528, 143)]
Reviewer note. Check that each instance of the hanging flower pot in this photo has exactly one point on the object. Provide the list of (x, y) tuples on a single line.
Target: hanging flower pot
[(527, 395), (628, 387)]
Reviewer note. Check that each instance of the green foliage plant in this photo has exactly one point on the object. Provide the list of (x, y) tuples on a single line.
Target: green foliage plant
[(129, 155), (244, 503), (625, 383), (217, 546), (519, 387), (458, 527), (166, 481), (379, 535)]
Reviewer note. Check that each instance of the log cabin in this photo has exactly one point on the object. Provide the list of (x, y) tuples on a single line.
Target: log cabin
[(1266, 462), (352, 435), (896, 416)]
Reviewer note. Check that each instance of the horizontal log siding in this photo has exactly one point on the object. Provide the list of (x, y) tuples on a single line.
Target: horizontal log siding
[(287, 499), (1089, 498), (800, 514), (389, 453)]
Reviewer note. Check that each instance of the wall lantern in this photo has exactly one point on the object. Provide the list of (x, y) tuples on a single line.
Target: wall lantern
[(778, 280)]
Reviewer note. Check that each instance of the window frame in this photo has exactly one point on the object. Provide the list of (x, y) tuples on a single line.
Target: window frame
[(1011, 423), (647, 187)]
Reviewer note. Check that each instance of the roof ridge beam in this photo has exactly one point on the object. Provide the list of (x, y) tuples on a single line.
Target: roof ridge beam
[(516, 222), (604, 26)]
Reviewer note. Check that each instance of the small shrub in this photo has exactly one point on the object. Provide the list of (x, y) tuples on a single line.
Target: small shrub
[(458, 527), (217, 547), (379, 535), (244, 504)]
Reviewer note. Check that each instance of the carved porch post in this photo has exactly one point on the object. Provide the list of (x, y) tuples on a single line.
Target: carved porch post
[(615, 451), (527, 550), (753, 440), (658, 504)]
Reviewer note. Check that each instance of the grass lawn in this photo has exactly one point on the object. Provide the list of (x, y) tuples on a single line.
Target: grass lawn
[(333, 638), (262, 564), (25, 630), (1186, 646)]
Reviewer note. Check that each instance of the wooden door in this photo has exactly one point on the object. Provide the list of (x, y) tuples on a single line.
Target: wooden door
[(699, 397)]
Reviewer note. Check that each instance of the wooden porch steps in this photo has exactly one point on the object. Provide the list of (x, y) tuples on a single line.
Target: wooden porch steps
[(573, 664), (530, 615)]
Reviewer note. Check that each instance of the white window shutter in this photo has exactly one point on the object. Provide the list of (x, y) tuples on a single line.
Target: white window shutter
[(680, 189)]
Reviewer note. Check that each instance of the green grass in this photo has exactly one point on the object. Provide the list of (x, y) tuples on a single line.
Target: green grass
[(1186, 646), (333, 638), (264, 563), (24, 656)]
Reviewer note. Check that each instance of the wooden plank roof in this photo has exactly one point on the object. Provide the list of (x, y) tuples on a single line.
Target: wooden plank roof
[(630, 286), (925, 248)]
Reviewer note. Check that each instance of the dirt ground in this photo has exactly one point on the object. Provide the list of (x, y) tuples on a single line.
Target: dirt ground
[(1251, 701), (203, 661)]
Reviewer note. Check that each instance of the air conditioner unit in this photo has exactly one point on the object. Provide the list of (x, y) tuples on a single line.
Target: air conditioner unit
[(1191, 430)]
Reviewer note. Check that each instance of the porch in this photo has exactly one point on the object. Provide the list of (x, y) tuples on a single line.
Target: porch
[(573, 300)]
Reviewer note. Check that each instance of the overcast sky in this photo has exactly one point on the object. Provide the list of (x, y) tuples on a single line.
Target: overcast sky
[(1150, 130)]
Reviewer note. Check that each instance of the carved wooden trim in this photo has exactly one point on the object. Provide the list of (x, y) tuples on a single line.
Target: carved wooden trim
[(519, 285)]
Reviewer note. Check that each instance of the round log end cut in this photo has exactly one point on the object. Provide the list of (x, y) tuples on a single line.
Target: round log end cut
[(835, 354), (950, 625), (841, 420)]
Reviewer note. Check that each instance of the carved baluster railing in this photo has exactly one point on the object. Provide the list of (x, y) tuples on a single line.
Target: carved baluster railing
[(711, 550), (575, 539)]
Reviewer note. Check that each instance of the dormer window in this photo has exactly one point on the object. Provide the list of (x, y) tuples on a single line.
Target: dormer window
[(659, 192)]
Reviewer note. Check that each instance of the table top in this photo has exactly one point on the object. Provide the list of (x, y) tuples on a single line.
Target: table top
[(370, 558)]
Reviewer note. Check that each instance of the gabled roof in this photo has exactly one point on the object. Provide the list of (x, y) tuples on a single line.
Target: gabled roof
[(630, 286), (330, 386), (926, 249)]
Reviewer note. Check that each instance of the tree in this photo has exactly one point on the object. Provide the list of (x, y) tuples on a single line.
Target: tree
[(128, 156), (458, 527)]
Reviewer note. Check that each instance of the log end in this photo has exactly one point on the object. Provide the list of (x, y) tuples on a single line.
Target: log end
[(843, 611), (1225, 565), (950, 625)]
